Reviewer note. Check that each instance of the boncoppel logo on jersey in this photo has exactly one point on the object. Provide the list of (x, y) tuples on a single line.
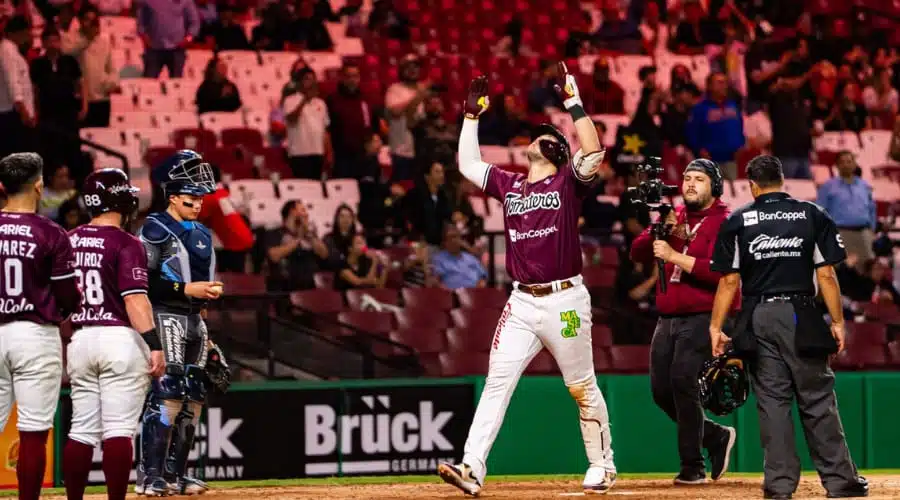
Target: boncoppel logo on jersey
[(754, 217), (515, 235)]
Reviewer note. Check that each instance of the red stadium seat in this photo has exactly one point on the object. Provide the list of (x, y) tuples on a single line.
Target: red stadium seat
[(866, 334), (424, 342), (601, 336), (463, 363), (421, 318), (894, 351), (275, 161), (462, 340), (324, 280), (602, 361), (482, 298), (205, 139), (860, 356), (318, 301), (432, 298), (398, 253), (377, 323), (431, 363), (630, 358), (598, 277), (543, 364), (477, 320), (243, 284), (383, 295), (157, 155), (249, 138), (887, 312)]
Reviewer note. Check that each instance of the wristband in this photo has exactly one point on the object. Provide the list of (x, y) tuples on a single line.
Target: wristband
[(577, 111), (151, 337)]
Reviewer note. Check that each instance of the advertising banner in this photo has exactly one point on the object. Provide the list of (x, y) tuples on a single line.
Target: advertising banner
[(9, 454)]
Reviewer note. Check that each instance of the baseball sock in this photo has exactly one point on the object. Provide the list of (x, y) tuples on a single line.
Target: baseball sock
[(117, 458), (32, 460), (76, 467)]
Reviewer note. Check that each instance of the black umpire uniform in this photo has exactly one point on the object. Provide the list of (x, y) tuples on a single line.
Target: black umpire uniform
[(776, 244)]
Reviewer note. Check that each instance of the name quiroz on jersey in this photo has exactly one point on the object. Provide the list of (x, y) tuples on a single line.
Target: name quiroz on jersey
[(89, 281)]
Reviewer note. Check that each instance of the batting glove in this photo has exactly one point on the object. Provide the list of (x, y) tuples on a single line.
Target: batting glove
[(568, 91), (478, 101)]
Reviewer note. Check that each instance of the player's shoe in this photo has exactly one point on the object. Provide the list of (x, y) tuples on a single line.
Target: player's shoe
[(690, 478), (720, 454), (153, 487), (188, 485), (598, 481), (461, 476)]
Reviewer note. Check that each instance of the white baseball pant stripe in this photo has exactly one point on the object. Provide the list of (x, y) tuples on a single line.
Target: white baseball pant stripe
[(109, 370), (30, 374), (561, 322)]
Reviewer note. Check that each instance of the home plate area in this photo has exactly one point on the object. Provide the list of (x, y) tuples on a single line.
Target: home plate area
[(882, 487)]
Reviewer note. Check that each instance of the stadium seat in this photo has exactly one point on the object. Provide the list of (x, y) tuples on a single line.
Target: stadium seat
[(461, 364), (464, 340), (598, 277), (157, 155), (801, 189), (318, 301), (601, 335), (324, 280), (197, 139), (141, 86), (860, 356), (630, 358), (428, 298), (300, 189), (377, 323), (248, 138), (217, 121), (894, 351), (273, 162), (602, 361), (176, 120), (429, 342), (542, 364), (243, 284), (476, 320), (482, 298), (885, 312), (866, 334), (383, 295), (245, 190), (421, 318), (148, 136), (266, 214), (346, 190)]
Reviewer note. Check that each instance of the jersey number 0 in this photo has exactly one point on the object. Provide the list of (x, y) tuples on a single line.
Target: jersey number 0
[(91, 286), (12, 277)]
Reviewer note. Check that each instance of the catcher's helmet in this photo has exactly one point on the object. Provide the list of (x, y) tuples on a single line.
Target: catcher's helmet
[(556, 152), (724, 386), (185, 173), (108, 190)]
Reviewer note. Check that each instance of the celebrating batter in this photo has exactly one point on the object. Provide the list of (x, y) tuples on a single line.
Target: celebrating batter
[(37, 291), (181, 265), (110, 363), (549, 306)]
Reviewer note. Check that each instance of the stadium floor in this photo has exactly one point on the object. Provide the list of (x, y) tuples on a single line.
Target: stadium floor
[(884, 485)]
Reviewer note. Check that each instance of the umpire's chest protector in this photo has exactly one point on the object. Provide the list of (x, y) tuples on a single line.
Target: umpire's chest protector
[(188, 253)]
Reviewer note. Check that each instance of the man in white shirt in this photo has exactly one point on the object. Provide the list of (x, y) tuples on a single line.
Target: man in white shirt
[(17, 113), (403, 101), (93, 50), (306, 117)]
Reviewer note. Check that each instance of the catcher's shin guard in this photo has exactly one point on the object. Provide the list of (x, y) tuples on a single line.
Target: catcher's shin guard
[(183, 435), (594, 419), (156, 430)]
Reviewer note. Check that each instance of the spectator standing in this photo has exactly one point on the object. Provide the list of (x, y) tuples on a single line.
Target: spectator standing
[(61, 103), (696, 31), (848, 199), (270, 33), (505, 123), (306, 116), (435, 138), (542, 99), (403, 101), (166, 27), (454, 267), (206, 11), (427, 207), (233, 231), (93, 50), (790, 114), (224, 33), (881, 100), (294, 250), (673, 122), (715, 129), (606, 96), (17, 106), (620, 31), (385, 20), (358, 270), (217, 92), (350, 116)]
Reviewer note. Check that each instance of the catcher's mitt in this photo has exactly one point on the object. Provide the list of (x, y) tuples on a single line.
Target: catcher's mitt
[(217, 369), (724, 385)]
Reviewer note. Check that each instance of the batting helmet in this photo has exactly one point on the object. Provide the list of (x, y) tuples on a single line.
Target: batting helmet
[(185, 172), (556, 152), (709, 167), (109, 190), (724, 386)]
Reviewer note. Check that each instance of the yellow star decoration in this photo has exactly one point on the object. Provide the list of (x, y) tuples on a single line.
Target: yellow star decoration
[(633, 144)]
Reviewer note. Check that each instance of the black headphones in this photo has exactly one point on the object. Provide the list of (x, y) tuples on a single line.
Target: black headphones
[(709, 167)]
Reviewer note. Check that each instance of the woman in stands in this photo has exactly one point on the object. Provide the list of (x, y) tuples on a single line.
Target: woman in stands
[(217, 92), (343, 229), (358, 270)]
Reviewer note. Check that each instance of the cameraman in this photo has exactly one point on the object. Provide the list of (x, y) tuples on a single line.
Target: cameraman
[(681, 341)]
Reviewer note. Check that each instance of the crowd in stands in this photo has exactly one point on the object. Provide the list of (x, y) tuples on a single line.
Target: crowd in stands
[(720, 80)]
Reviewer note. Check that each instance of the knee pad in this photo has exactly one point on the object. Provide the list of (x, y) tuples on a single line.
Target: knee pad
[(194, 384), (170, 386)]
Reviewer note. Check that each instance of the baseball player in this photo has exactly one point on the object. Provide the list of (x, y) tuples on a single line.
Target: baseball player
[(109, 362), (549, 306), (37, 291), (181, 265)]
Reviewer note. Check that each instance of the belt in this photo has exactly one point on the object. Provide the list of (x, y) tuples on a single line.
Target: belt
[(543, 290), (786, 297)]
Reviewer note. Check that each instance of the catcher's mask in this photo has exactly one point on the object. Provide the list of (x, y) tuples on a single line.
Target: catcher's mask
[(724, 385), (556, 152)]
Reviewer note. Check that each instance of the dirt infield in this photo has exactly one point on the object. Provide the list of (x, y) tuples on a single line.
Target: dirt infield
[(882, 487)]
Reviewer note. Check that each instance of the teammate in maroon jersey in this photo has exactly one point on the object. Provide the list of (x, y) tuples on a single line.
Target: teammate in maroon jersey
[(549, 306), (37, 292), (110, 363)]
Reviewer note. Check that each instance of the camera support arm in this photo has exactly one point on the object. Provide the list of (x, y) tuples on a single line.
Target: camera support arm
[(660, 231)]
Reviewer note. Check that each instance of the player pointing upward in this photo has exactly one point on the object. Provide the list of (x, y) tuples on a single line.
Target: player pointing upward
[(549, 306), (37, 291)]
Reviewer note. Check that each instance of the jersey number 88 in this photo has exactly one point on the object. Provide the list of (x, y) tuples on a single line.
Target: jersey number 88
[(91, 286)]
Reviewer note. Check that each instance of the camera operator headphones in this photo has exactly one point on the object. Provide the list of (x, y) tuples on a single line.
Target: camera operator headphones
[(708, 167)]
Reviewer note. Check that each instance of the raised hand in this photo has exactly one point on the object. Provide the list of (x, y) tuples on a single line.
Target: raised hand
[(566, 87), (478, 101)]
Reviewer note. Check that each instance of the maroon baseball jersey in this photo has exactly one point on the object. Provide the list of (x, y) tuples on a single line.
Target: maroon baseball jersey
[(34, 252), (541, 220), (110, 264)]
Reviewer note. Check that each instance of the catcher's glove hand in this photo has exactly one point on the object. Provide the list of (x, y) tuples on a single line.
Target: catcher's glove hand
[(566, 87), (478, 101), (217, 369)]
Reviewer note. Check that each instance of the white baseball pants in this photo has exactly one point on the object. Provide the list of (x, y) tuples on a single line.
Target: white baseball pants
[(30, 374), (109, 370), (561, 322)]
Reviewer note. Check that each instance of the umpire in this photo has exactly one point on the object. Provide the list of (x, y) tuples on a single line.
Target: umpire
[(681, 341), (776, 248)]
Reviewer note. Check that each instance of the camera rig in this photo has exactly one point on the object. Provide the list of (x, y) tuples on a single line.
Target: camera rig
[(650, 194)]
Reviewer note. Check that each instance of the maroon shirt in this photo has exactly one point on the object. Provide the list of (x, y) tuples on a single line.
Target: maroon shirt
[(34, 252), (110, 264), (541, 218)]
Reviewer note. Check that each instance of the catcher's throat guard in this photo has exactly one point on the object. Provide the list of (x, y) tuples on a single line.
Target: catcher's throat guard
[(724, 385)]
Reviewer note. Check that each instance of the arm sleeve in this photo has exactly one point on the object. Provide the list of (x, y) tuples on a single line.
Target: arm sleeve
[(726, 256), (829, 247), (470, 164), (132, 269)]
